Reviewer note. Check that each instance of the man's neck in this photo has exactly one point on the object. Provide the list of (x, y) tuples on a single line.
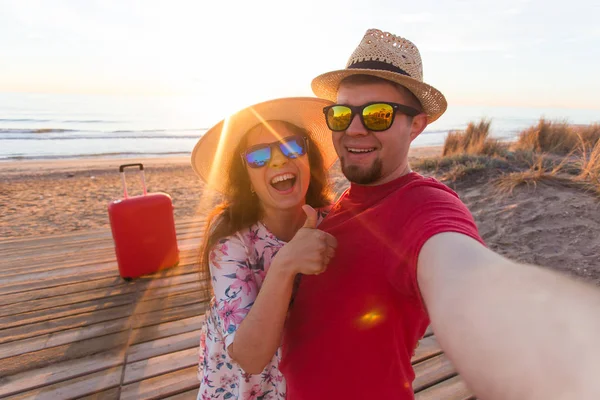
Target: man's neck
[(399, 172)]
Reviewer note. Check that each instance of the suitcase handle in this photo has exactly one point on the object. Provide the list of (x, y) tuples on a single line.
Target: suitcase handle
[(122, 171), (122, 167)]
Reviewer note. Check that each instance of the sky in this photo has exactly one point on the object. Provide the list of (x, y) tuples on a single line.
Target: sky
[(528, 53)]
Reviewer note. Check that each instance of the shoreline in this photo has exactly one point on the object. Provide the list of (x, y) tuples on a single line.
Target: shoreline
[(36, 167)]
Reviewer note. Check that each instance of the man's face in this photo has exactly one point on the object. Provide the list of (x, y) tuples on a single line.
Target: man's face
[(374, 158)]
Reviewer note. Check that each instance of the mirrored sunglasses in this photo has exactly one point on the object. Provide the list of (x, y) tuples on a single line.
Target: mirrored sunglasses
[(260, 155), (377, 116)]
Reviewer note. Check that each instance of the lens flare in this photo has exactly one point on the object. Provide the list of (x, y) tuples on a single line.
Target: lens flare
[(371, 318)]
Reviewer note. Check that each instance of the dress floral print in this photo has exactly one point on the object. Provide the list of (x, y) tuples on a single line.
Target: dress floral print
[(238, 266)]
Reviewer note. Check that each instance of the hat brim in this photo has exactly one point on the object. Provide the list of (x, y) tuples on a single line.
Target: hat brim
[(432, 100), (214, 151)]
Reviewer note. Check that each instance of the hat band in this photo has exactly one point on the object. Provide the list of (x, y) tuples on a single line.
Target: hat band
[(381, 65)]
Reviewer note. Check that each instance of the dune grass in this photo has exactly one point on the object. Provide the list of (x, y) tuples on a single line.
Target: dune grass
[(541, 169), (554, 153), (474, 140), (557, 137)]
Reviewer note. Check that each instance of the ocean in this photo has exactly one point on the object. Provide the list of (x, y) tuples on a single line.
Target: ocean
[(51, 126)]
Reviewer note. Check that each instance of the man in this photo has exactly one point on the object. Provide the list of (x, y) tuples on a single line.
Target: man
[(409, 254)]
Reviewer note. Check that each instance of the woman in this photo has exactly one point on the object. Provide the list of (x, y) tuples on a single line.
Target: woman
[(269, 161)]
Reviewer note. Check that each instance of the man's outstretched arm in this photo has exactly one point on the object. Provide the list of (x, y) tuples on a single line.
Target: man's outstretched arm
[(513, 331)]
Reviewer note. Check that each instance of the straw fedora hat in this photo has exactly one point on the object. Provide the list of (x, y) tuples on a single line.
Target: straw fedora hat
[(214, 151), (390, 57)]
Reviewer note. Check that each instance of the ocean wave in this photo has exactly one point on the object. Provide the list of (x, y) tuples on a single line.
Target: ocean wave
[(90, 121), (14, 157), (24, 120), (36, 130), (103, 137), (436, 132), (72, 134), (66, 121)]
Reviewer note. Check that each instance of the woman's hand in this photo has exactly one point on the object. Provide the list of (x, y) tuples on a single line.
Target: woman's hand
[(309, 251)]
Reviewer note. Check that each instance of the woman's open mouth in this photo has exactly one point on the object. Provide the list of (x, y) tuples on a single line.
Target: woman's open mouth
[(284, 182)]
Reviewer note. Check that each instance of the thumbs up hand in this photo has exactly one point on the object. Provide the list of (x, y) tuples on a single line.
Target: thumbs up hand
[(311, 217), (310, 250)]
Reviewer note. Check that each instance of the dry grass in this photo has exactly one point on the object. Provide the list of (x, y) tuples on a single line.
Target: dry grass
[(589, 165), (557, 137), (474, 140), (452, 168), (553, 153), (589, 162), (541, 170)]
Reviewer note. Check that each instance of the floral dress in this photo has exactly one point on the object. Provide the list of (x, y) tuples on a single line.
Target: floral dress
[(238, 266)]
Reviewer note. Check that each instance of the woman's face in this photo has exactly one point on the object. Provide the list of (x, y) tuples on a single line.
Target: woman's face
[(283, 182)]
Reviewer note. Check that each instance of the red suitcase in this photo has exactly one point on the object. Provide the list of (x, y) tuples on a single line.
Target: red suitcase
[(143, 230)]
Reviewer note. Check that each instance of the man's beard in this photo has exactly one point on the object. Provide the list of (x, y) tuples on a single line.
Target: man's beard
[(362, 175)]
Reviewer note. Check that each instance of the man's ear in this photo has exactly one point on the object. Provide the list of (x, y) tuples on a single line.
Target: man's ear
[(419, 123)]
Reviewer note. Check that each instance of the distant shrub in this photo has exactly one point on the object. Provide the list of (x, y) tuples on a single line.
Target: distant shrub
[(473, 140)]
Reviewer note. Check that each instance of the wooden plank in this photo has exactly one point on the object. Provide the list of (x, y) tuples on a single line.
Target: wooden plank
[(146, 306), (432, 371), (52, 355), (61, 290), (162, 385), (451, 389), (154, 332), (67, 310), (61, 324), (160, 365), (428, 347), (62, 252), (81, 250), (428, 332), (163, 346), (168, 287), (79, 268), (64, 337), (85, 385), (60, 372), (182, 268), (39, 241), (110, 394), (168, 291), (189, 395), (67, 299), (171, 314), (156, 281), (58, 273), (58, 281), (51, 240), (150, 312), (39, 262)]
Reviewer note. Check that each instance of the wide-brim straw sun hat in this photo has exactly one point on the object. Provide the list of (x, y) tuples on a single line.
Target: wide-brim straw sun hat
[(212, 155), (390, 57)]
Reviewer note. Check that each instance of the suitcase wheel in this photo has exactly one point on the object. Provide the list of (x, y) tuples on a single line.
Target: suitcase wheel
[(127, 279)]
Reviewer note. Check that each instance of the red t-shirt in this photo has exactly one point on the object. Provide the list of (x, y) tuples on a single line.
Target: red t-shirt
[(352, 330)]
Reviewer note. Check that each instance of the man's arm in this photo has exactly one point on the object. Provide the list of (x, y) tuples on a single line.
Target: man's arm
[(513, 331)]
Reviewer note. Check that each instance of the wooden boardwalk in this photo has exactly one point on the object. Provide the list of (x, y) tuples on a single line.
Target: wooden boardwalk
[(71, 328)]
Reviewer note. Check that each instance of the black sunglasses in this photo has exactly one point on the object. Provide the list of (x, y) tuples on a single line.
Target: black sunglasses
[(377, 116), (292, 147)]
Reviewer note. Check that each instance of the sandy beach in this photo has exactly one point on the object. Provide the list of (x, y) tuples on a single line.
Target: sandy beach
[(549, 225)]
